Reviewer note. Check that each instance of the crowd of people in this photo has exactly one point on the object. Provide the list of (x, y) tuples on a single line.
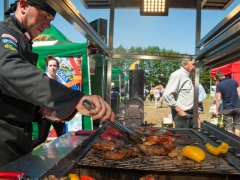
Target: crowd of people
[(156, 96), (179, 96)]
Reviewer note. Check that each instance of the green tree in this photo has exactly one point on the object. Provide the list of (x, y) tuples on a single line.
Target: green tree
[(205, 78), (155, 70)]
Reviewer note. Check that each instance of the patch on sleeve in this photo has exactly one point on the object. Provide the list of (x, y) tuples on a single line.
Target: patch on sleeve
[(9, 46), (10, 37), (9, 41)]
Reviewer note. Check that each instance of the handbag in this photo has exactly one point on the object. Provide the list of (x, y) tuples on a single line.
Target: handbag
[(212, 109)]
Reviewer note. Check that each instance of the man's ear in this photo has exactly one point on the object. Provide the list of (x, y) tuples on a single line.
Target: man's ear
[(23, 6)]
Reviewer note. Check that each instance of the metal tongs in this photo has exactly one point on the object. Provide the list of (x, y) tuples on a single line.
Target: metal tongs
[(117, 125)]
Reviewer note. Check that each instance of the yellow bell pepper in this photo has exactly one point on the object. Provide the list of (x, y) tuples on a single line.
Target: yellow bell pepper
[(194, 153), (221, 149), (74, 177)]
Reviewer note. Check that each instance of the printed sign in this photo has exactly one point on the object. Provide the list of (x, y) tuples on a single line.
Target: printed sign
[(92, 65)]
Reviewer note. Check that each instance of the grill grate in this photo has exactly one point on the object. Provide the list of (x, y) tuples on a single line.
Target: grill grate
[(211, 164)]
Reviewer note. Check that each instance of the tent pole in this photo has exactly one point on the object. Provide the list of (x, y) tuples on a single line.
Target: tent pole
[(6, 2), (119, 85), (197, 70), (210, 91), (103, 76), (110, 44)]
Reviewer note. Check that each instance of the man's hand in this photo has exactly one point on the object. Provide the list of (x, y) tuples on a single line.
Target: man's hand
[(101, 111), (218, 100), (180, 111)]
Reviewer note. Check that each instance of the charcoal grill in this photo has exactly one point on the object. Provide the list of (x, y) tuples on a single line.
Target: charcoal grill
[(73, 154), (227, 166)]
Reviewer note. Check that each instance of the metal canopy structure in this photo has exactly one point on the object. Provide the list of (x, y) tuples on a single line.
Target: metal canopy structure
[(176, 4), (222, 44), (67, 10)]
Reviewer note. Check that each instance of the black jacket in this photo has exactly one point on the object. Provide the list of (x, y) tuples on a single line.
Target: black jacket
[(23, 86), (24, 89)]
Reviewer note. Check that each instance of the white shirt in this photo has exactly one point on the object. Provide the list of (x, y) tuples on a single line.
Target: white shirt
[(57, 78), (179, 90), (156, 93)]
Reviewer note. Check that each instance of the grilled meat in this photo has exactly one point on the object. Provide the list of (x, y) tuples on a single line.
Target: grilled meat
[(103, 145), (119, 143), (136, 153), (173, 153), (168, 147), (156, 150), (116, 155), (120, 154), (176, 154), (135, 150)]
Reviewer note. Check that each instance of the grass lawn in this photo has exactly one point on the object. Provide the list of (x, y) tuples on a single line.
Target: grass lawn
[(153, 115)]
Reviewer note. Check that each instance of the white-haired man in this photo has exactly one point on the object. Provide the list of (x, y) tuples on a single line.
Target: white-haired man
[(179, 95)]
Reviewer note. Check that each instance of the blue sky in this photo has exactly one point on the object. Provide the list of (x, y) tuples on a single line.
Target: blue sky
[(175, 31)]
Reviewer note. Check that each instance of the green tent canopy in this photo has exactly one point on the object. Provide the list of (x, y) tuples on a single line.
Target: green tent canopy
[(115, 74), (53, 42), (116, 71)]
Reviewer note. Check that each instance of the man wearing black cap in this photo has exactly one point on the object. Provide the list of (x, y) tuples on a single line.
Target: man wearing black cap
[(25, 92)]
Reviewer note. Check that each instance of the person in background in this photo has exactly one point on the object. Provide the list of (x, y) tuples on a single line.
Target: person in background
[(26, 93), (151, 94), (201, 96), (122, 91), (227, 90), (161, 101), (44, 125), (179, 94), (220, 110), (156, 96), (145, 93)]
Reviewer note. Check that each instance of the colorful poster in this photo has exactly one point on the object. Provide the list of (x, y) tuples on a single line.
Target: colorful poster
[(66, 70), (75, 124)]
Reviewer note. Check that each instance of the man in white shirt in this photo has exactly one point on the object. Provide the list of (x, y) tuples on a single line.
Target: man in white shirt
[(179, 95)]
